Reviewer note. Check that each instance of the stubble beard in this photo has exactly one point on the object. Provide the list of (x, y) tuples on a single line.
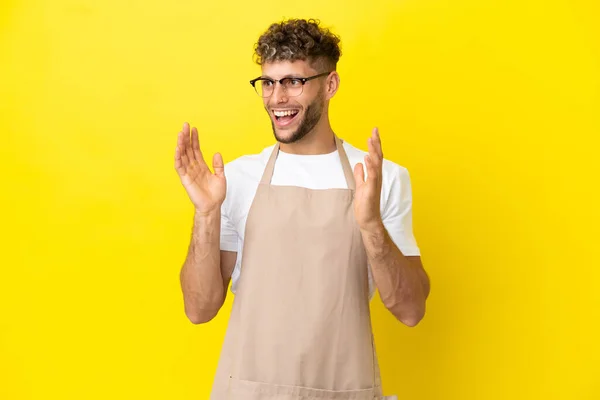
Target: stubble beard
[(308, 123)]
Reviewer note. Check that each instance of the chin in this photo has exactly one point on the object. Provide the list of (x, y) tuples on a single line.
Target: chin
[(286, 135), (287, 139)]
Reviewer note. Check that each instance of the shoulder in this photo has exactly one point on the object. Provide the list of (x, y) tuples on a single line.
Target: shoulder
[(248, 166), (243, 175)]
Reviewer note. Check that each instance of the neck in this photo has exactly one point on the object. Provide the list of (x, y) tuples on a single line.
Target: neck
[(318, 141)]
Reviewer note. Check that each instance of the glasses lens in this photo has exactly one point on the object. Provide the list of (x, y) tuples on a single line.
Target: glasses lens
[(264, 88), (293, 87)]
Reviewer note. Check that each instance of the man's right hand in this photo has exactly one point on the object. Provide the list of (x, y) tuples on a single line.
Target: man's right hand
[(206, 189)]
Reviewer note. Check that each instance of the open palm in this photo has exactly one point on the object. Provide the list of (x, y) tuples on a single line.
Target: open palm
[(206, 189)]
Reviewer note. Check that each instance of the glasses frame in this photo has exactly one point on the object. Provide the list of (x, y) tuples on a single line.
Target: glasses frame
[(280, 81)]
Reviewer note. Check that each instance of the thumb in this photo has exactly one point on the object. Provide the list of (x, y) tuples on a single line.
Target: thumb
[(359, 174), (218, 166)]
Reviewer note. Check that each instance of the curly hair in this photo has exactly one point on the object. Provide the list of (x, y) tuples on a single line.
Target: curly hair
[(298, 39)]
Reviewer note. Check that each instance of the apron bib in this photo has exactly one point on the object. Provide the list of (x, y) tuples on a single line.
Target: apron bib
[(300, 326)]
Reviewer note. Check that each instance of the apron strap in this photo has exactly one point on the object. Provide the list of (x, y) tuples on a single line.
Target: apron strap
[(268, 174), (348, 173)]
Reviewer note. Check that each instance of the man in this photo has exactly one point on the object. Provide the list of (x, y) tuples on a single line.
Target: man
[(302, 234)]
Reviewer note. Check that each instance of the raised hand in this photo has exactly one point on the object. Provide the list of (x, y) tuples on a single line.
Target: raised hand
[(368, 193), (205, 189)]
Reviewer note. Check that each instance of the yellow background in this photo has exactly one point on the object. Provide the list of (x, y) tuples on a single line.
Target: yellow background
[(493, 106)]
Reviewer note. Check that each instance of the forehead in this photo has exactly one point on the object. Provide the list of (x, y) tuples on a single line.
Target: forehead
[(280, 69)]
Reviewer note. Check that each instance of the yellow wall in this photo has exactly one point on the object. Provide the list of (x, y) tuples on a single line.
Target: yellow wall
[(492, 105)]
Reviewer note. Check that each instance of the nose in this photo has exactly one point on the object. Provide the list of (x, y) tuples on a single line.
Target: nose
[(279, 95)]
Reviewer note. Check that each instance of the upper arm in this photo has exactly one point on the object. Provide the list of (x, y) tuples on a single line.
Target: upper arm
[(396, 212), (228, 246), (397, 219), (228, 260)]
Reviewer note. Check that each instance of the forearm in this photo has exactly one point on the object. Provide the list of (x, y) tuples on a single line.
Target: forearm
[(402, 284), (201, 277)]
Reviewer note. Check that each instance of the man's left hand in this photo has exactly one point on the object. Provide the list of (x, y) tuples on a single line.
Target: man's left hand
[(368, 193)]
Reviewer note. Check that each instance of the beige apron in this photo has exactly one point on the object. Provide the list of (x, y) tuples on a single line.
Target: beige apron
[(300, 326)]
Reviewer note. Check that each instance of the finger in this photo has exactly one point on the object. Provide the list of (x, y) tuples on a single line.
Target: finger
[(218, 165), (359, 174), (377, 142), (370, 145), (373, 151), (373, 155), (196, 147), (181, 148), (372, 176), (187, 143), (179, 166)]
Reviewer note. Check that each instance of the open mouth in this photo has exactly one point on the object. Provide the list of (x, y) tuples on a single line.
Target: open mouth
[(285, 117)]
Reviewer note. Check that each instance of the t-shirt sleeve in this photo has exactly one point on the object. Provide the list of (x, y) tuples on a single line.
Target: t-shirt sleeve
[(229, 236), (397, 212)]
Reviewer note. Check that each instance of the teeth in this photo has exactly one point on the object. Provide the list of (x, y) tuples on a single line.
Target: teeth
[(285, 113)]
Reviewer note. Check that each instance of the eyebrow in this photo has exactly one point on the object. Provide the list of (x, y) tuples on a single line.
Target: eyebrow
[(286, 76)]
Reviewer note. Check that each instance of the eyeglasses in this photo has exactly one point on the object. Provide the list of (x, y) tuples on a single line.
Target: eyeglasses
[(292, 86)]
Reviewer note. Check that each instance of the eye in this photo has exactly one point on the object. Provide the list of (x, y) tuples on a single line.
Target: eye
[(295, 82), (266, 83)]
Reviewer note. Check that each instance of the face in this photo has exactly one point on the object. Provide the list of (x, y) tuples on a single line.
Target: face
[(292, 118)]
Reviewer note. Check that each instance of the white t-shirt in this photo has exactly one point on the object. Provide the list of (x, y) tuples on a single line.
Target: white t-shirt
[(323, 171)]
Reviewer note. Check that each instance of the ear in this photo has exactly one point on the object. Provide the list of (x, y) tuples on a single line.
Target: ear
[(332, 85)]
